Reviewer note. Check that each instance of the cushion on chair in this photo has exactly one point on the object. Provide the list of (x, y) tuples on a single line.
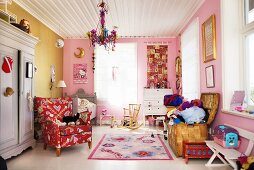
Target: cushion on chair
[(84, 118), (73, 129), (82, 105)]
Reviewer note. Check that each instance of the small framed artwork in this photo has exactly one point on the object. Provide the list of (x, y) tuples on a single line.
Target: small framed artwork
[(80, 73), (29, 70), (209, 39), (209, 74)]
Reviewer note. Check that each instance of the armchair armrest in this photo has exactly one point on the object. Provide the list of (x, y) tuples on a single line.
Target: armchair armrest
[(51, 132)]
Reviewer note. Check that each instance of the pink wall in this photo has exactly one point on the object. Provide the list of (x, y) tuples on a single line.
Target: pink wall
[(70, 47), (206, 10), (209, 8), (69, 60)]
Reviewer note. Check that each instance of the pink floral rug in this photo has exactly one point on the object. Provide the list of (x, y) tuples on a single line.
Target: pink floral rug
[(130, 147)]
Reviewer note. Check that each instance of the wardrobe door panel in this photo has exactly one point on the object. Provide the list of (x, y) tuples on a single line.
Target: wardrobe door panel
[(26, 88), (9, 103)]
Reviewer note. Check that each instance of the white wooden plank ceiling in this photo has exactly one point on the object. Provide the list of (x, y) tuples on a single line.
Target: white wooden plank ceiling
[(134, 18)]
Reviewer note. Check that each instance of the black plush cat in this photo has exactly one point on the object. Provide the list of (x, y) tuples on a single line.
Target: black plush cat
[(68, 119)]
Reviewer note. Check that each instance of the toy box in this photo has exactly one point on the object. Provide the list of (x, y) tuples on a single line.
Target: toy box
[(226, 136), (196, 132)]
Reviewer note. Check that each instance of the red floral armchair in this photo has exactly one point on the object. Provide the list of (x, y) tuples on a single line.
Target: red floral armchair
[(51, 112)]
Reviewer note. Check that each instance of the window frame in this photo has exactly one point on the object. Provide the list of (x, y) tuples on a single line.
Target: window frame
[(240, 58), (247, 30)]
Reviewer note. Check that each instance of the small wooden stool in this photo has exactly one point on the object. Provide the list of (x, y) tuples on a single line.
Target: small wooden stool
[(195, 150), (104, 114)]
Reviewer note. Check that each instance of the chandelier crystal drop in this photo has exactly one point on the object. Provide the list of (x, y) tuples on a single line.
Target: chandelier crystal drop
[(100, 35)]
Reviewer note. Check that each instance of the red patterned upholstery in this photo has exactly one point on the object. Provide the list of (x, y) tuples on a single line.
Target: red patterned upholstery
[(51, 112), (73, 129), (55, 107)]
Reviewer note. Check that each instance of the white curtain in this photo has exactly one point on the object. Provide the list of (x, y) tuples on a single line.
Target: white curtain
[(190, 61), (116, 74)]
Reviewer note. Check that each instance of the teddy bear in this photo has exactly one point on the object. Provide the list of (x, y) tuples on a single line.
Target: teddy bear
[(249, 164), (25, 25)]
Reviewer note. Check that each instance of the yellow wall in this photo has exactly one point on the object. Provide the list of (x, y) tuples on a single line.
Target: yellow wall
[(46, 53)]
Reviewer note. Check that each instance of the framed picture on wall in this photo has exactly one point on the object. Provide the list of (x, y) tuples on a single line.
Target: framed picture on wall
[(209, 39), (209, 74), (79, 73)]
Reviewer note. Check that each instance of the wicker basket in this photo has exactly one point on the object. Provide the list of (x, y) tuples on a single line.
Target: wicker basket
[(193, 133)]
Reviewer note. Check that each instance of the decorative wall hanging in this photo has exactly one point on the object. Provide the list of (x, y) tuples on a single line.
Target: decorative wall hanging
[(209, 39), (52, 76), (157, 72), (178, 65), (81, 53), (7, 64), (209, 74), (178, 69), (79, 73), (93, 60), (29, 101), (59, 43)]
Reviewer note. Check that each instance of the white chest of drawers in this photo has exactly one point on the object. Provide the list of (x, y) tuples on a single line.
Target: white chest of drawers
[(153, 101)]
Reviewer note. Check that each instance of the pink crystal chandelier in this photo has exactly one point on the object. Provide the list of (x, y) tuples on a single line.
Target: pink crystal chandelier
[(100, 35)]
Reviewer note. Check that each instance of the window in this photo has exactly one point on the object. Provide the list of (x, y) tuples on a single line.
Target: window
[(249, 11), (249, 69), (248, 32), (190, 61), (237, 50), (116, 74), (232, 55)]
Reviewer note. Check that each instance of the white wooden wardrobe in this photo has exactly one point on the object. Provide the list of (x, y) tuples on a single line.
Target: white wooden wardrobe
[(16, 118)]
